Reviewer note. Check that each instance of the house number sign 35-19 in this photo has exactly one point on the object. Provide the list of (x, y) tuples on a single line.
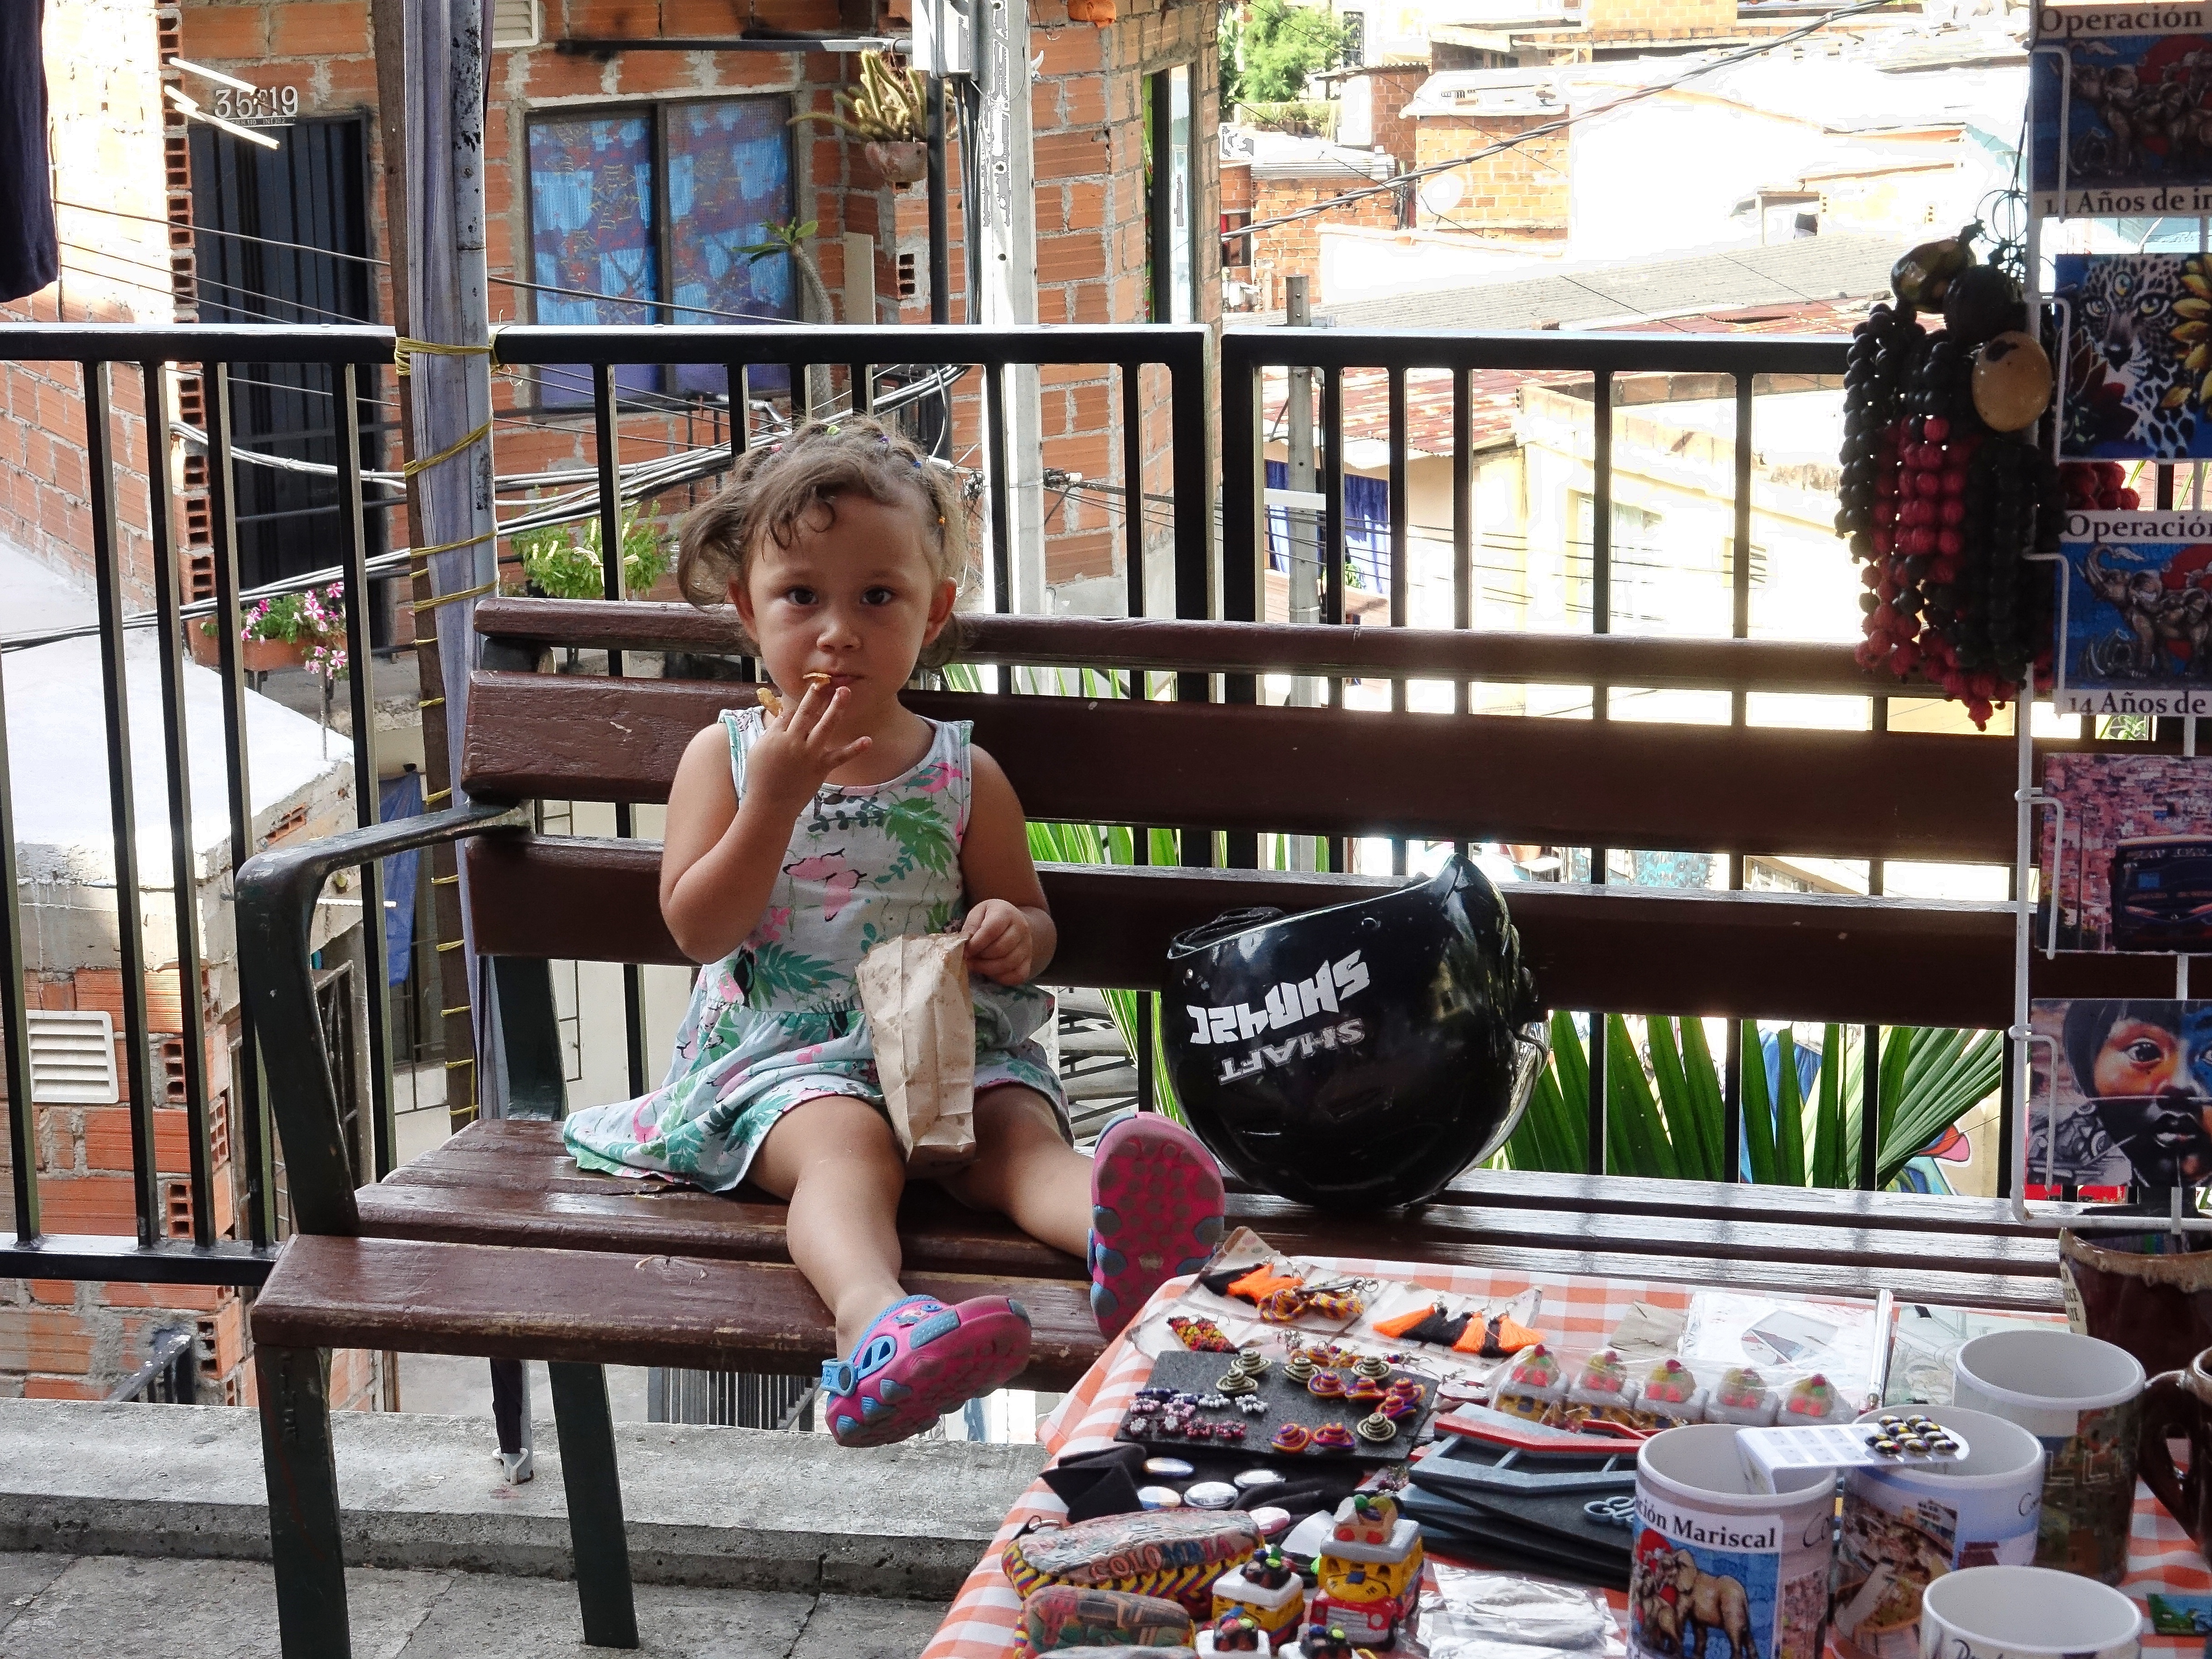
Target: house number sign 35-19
[(265, 106)]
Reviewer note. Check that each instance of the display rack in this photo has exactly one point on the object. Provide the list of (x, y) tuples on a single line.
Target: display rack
[(2028, 797)]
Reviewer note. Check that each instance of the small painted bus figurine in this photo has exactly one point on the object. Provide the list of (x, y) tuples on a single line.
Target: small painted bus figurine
[(1369, 1572), (1265, 1589)]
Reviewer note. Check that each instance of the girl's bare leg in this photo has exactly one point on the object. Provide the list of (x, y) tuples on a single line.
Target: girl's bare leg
[(1026, 1171), (837, 1162)]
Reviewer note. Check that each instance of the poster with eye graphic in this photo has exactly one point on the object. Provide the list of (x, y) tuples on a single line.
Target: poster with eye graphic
[(2136, 359), (2120, 111), (2123, 1093), (2136, 599)]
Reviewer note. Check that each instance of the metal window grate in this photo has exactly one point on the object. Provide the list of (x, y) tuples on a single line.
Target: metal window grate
[(72, 1058)]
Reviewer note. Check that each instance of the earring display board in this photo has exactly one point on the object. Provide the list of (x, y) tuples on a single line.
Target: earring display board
[(1287, 1401)]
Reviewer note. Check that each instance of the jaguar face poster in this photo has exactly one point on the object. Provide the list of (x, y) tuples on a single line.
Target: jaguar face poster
[(2126, 854), (2137, 599), (2136, 369), (2120, 111), (2122, 1093)]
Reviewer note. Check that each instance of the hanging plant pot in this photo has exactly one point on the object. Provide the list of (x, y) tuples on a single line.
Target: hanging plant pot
[(903, 161), (266, 656), (1097, 13)]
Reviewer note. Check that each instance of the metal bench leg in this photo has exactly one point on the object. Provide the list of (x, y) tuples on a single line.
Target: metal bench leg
[(595, 1515), (303, 1501)]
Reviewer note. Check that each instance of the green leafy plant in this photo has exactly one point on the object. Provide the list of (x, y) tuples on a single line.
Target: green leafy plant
[(790, 239), (891, 106), (1665, 1117), (563, 562), (1302, 118), (1266, 59)]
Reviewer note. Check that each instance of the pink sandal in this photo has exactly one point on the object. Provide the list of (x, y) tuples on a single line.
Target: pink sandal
[(919, 1360), (1155, 1212)]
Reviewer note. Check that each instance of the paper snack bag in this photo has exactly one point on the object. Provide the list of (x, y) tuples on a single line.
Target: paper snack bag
[(915, 991)]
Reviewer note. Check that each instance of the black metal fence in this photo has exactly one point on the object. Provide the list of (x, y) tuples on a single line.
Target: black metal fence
[(1169, 383)]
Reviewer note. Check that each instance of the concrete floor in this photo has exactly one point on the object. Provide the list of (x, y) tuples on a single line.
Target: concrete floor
[(60, 1606)]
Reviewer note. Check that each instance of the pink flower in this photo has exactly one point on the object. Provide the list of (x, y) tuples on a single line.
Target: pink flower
[(838, 878), (775, 923), (934, 780)]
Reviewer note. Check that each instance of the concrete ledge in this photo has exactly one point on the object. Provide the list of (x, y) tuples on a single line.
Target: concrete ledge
[(738, 1509)]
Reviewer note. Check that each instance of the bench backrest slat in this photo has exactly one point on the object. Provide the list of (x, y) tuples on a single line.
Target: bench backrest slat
[(1332, 771)]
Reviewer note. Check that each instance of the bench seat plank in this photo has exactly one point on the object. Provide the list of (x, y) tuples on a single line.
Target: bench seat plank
[(1838, 1249), (1768, 955), (627, 1308)]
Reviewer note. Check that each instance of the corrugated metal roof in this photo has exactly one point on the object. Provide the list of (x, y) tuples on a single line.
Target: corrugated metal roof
[(1811, 270)]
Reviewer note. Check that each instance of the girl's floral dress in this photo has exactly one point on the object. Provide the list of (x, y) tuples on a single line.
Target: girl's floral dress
[(778, 1021)]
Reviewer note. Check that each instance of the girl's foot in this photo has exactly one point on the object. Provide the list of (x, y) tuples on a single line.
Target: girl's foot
[(1155, 1212), (919, 1360)]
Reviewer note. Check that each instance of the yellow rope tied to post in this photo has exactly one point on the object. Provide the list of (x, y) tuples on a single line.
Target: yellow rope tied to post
[(404, 350), (476, 593), (423, 463)]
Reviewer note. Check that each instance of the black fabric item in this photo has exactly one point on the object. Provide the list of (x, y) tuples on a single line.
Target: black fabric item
[(30, 258), (1441, 1328), (1221, 1279), (1103, 1482)]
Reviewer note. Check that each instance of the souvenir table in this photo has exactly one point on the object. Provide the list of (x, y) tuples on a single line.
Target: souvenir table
[(1579, 1315)]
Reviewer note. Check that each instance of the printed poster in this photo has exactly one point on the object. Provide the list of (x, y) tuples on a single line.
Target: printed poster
[(2126, 854), (2136, 603), (2118, 102), (2123, 1093), (2137, 355)]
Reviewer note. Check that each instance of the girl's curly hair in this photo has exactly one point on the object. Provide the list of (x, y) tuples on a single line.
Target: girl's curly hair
[(776, 487)]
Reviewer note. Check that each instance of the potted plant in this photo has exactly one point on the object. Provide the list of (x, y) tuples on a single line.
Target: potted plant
[(562, 563), (287, 630), (889, 114)]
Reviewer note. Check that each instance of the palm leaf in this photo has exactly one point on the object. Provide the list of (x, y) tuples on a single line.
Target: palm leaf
[(1636, 1134), (1789, 1115), (1758, 1110), (1688, 1128), (1707, 1111), (1827, 1113)]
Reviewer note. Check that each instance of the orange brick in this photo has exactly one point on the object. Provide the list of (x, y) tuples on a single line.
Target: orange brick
[(107, 1139), (213, 34), (682, 17), (229, 1332), (558, 75), (1070, 50), (327, 29), (87, 1203), (62, 1292), (61, 1387), (186, 1298), (1069, 259), (655, 71), (102, 989), (44, 1339), (1069, 155)]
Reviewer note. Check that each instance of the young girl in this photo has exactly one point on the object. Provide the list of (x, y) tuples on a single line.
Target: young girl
[(798, 839)]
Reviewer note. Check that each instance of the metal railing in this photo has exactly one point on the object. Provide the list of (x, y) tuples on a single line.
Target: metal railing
[(1184, 360), (102, 353)]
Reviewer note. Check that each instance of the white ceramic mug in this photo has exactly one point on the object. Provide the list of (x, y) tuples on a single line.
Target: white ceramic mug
[(1905, 1526), (2026, 1612), (2082, 1398), (1713, 1557)]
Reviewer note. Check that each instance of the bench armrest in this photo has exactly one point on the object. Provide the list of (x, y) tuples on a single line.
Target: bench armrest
[(278, 891)]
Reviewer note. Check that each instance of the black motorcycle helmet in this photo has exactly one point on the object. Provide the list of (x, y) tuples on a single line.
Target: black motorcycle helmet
[(1356, 1057)]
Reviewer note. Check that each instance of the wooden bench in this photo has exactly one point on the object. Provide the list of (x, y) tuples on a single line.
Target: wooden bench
[(496, 1244)]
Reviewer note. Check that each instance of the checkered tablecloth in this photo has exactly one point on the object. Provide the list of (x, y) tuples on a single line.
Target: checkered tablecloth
[(1578, 1313)]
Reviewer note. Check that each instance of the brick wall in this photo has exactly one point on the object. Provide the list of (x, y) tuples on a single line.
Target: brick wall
[(106, 129), (1622, 21), (1091, 197), (1294, 249), (1393, 89), (1523, 188)]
